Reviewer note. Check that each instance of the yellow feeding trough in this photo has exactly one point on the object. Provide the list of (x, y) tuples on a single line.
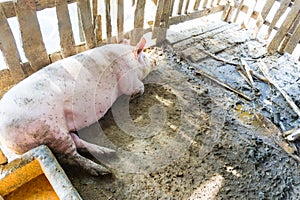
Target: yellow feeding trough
[(35, 175)]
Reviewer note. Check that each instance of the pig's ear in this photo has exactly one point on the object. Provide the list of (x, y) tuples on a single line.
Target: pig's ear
[(124, 41), (139, 47)]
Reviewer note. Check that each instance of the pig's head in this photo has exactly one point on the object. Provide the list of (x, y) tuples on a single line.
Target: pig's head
[(145, 65)]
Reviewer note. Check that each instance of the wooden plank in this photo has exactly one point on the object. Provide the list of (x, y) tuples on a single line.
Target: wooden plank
[(196, 5), (262, 16), (186, 6), (120, 19), (33, 44), (284, 4), (195, 15), (294, 40), (87, 23), (138, 22), (180, 5), (98, 30), (9, 49), (108, 21), (291, 17), (67, 42)]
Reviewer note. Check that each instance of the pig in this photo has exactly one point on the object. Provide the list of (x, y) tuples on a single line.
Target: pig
[(52, 104)]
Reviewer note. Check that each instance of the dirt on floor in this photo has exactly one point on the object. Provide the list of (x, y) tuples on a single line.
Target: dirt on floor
[(188, 138)]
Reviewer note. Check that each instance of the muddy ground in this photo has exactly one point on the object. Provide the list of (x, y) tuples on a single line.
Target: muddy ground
[(189, 138)]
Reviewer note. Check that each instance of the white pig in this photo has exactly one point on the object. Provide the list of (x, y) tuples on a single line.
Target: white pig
[(68, 95)]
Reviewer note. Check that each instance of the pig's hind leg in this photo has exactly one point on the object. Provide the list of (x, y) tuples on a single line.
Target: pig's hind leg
[(65, 148), (91, 148)]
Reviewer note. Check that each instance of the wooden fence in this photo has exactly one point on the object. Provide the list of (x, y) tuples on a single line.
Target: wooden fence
[(168, 12)]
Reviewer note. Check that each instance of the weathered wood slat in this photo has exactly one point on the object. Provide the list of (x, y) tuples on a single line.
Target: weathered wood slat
[(180, 5), (98, 30), (162, 30), (294, 40), (172, 7), (194, 15), (33, 44), (87, 23), (138, 22), (120, 20), (284, 4), (95, 11), (158, 16), (9, 49), (108, 21), (291, 17), (186, 6), (67, 42), (196, 5), (262, 16)]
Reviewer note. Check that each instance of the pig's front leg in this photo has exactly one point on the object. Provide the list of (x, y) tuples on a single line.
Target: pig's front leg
[(91, 148)]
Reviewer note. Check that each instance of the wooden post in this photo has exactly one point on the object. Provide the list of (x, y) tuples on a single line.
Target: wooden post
[(87, 23), (138, 22), (108, 21), (291, 17), (33, 44), (67, 42), (120, 20), (9, 49)]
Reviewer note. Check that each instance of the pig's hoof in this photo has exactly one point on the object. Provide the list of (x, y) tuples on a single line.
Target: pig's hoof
[(98, 170)]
